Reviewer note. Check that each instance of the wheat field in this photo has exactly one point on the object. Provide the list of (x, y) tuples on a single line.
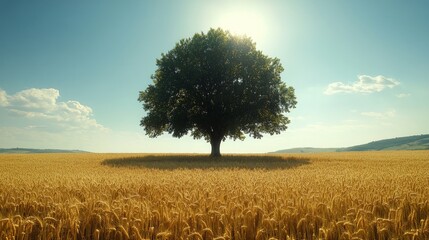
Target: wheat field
[(359, 195)]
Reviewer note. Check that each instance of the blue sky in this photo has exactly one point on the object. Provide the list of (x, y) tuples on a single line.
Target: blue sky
[(70, 71)]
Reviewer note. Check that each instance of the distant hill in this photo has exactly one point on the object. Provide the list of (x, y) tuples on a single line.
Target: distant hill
[(417, 142), (307, 150), (32, 150)]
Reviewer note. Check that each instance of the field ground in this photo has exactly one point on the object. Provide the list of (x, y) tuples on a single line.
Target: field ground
[(350, 195)]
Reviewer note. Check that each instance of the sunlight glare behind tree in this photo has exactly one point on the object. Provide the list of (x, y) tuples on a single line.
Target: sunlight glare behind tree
[(215, 86)]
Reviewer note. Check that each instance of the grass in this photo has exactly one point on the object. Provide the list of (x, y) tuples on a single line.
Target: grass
[(359, 195)]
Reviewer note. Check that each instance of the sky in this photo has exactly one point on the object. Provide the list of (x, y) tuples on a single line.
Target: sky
[(71, 71)]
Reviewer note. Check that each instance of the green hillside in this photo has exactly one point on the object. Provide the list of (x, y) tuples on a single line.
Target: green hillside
[(417, 142)]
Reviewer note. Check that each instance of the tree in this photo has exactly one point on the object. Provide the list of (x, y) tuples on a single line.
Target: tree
[(215, 86)]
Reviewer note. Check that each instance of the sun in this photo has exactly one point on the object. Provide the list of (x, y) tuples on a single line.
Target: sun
[(244, 22)]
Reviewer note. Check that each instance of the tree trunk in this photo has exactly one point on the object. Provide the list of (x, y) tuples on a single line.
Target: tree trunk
[(215, 142)]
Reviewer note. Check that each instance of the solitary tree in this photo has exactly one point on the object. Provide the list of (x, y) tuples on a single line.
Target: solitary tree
[(215, 86)]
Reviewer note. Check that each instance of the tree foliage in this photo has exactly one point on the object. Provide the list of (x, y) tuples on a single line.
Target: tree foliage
[(215, 86)]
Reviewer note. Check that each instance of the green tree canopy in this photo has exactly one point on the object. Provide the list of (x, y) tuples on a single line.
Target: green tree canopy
[(215, 86)]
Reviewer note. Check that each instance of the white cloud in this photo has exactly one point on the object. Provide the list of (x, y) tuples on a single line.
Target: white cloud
[(3, 98), (35, 98), (403, 95), (364, 84), (43, 104), (380, 115)]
